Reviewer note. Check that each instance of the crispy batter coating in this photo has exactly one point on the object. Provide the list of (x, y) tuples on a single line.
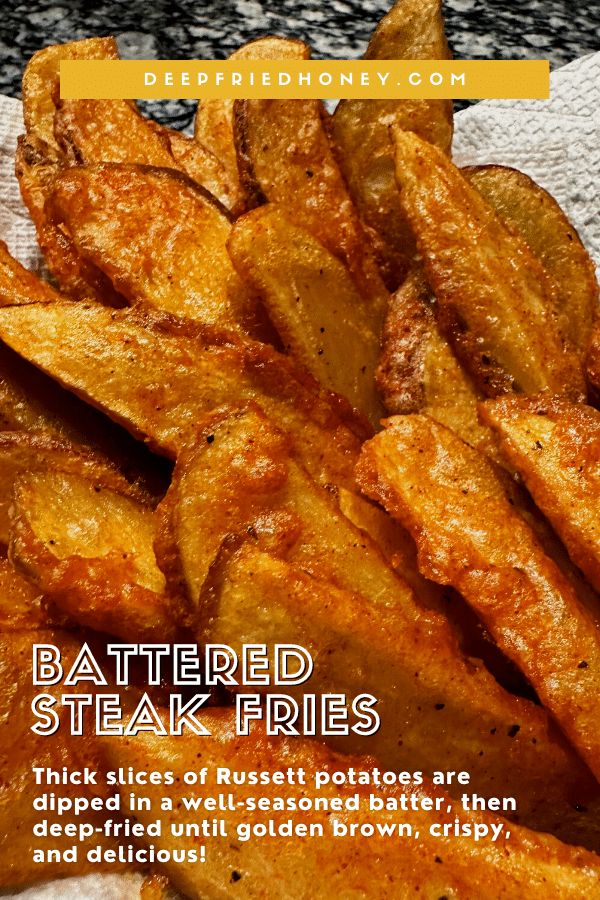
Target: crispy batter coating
[(535, 214), (313, 302), (470, 536), (91, 551), (213, 126), (495, 301), (520, 867), (555, 446), (360, 131), (284, 156)]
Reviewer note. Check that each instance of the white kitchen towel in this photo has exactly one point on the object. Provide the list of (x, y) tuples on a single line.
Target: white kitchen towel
[(556, 142)]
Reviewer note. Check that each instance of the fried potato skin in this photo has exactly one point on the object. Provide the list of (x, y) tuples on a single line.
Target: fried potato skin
[(495, 302), (321, 868), (593, 361), (313, 303), (213, 126), (121, 218), (528, 208), (36, 166), (19, 285), (468, 535), (117, 360), (555, 446), (418, 371), (41, 80), (91, 551), (413, 29), (359, 648), (284, 156), (21, 749)]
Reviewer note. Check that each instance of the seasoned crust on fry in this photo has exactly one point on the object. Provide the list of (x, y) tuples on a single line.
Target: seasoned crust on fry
[(91, 551), (19, 285), (555, 446), (284, 157), (536, 215), (470, 536), (494, 300)]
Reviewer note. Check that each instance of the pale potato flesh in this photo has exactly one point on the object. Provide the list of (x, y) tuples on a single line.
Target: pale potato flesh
[(520, 868), (494, 300), (91, 551), (360, 131), (470, 536), (159, 237), (555, 446), (313, 302)]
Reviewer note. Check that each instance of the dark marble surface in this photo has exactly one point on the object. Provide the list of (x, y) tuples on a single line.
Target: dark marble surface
[(556, 29)]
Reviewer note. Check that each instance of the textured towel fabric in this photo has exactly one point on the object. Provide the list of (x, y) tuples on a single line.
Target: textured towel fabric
[(557, 143)]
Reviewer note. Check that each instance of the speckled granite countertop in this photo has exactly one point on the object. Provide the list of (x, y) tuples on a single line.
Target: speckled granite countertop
[(556, 29)]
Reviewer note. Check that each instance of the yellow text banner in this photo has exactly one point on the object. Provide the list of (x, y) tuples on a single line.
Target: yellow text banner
[(303, 79)]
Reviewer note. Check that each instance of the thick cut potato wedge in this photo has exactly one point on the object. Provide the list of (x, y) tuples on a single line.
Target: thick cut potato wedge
[(23, 453), (470, 536), (93, 131), (285, 157), (91, 551), (19, 285), (158, 376), (41, 81), (158, 236), (199, 164), (313, 302), (21, 749), (426, 722), (495, 301), (36, 165), (360, 131), (555, 446), (418, 372), (534, 213), (520, 867), (213, 127)]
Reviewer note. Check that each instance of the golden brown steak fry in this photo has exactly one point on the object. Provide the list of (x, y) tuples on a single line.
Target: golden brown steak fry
[(91, 551), (36, 165), (520, 867), (495, 301), (19, 285), (437, 710), (313, 302), (468, 535), (199, 164), (158, 376), (41, 81), (21, 749), (158, 236), (360, 131), (285, 157), (555, 446), (213, 127), (93, 131), (418, 371), (22, 453), (535, 214)]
